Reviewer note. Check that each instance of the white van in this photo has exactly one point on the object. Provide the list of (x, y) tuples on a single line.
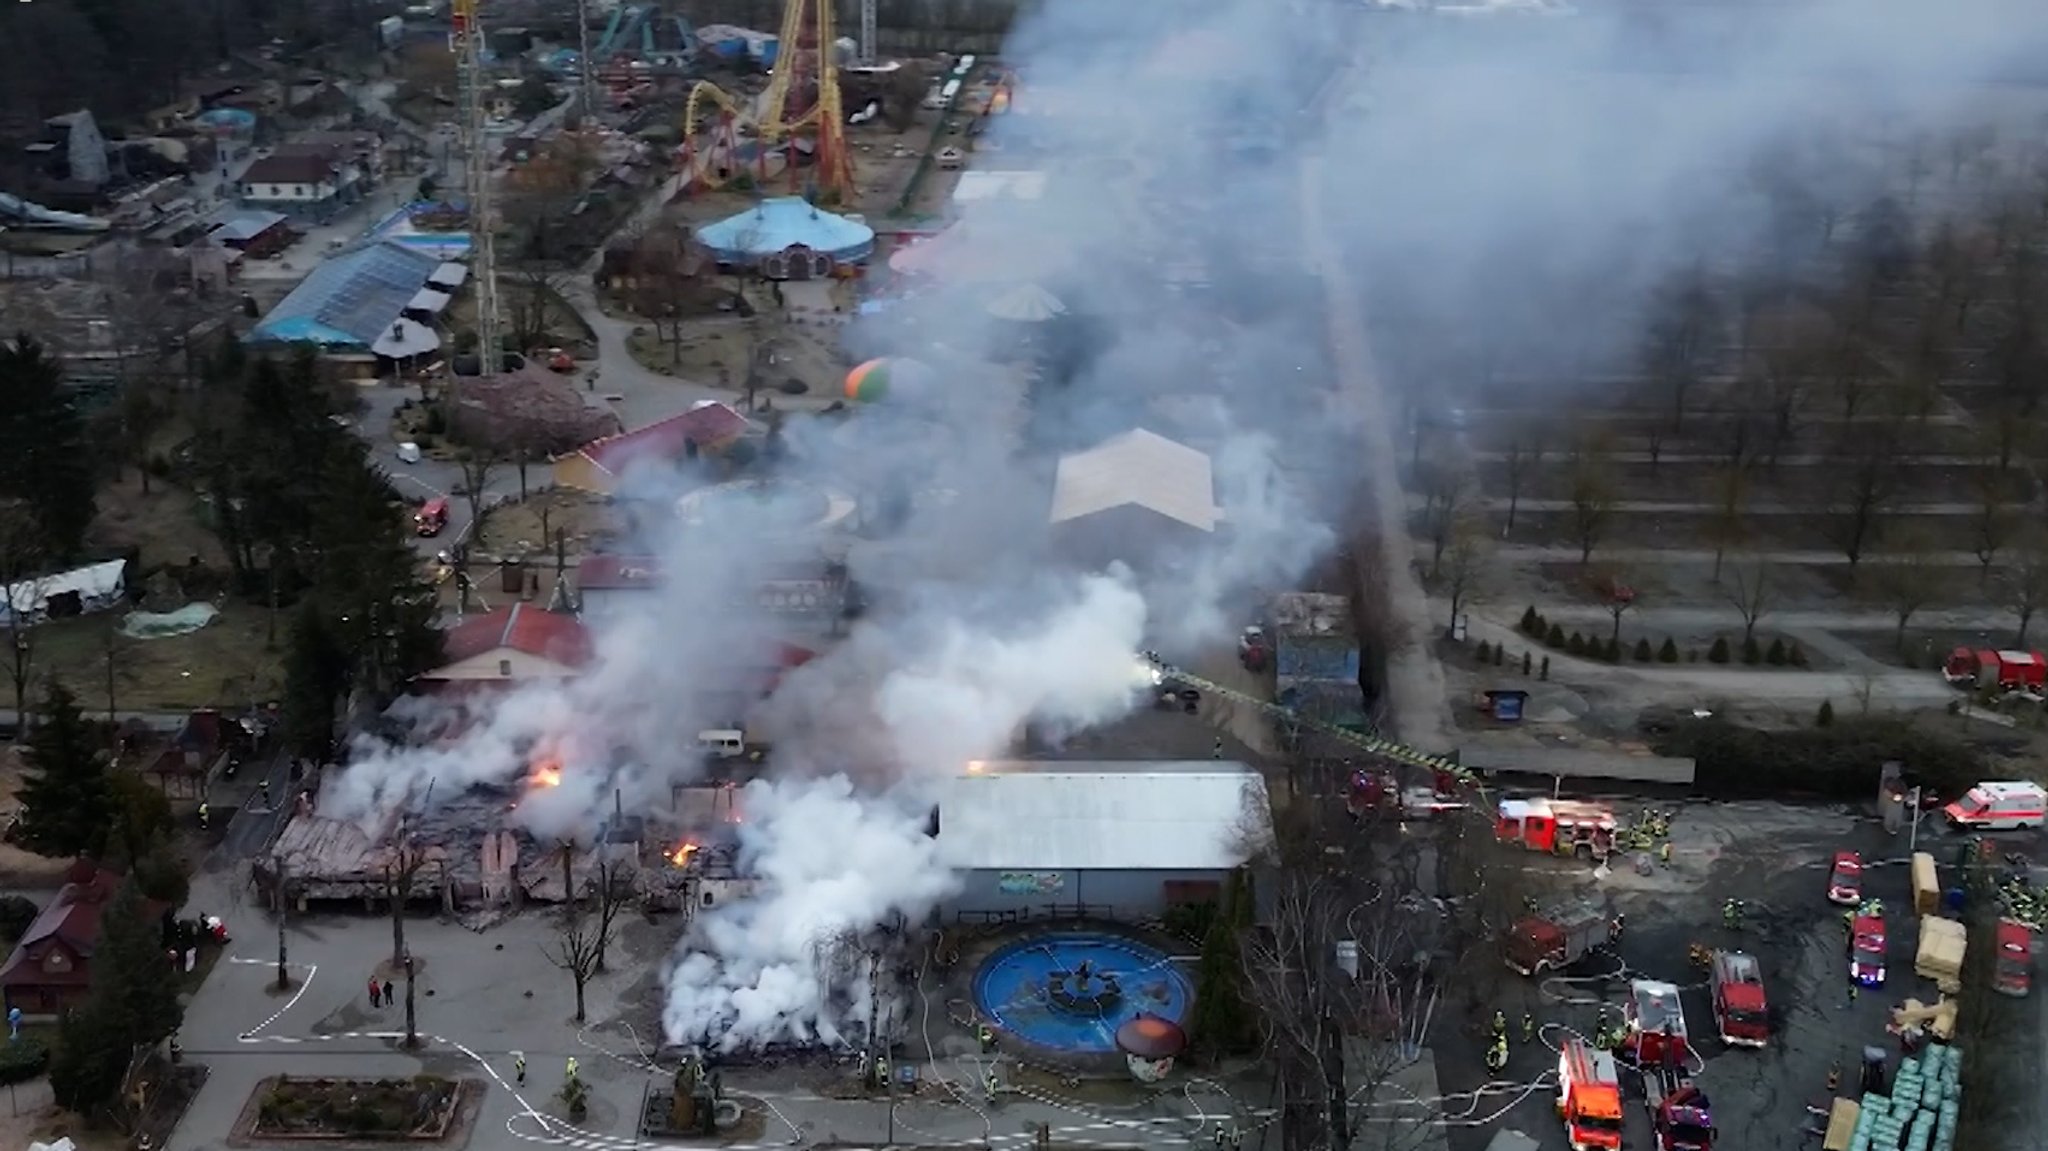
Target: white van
[(722, 743), (1999, 806)]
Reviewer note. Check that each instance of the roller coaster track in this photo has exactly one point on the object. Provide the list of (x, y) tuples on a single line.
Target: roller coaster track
[(1376, 746)]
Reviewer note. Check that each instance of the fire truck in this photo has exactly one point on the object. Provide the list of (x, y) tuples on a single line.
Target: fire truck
[(1557, 827), (1678, 1109), (1588, 1096), (1866, 950), (1740, 1012), (1656, 1024), (2014, 973), (2004, 670), (432, 517), (1555, 940)]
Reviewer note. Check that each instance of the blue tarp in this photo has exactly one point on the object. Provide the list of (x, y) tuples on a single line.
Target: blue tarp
[(1330, 657)]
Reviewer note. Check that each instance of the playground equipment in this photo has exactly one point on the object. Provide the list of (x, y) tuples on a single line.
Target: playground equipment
[(801, 115)]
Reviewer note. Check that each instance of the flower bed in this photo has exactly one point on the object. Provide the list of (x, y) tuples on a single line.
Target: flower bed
[(423, 1108)]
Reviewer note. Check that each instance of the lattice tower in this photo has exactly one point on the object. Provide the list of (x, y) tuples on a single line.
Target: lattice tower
[(475, 87)]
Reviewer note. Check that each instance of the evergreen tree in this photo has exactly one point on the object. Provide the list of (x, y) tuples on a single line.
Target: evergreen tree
[(1220, 1020), (67, 799), (131, 978), (45, 457), (132, 1002), (315, 678)]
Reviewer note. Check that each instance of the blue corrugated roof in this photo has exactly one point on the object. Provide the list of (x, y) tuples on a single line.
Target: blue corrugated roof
[(784, 222), (351, 299)]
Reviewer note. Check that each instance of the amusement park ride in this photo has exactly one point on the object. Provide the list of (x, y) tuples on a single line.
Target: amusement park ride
[(799, 118)]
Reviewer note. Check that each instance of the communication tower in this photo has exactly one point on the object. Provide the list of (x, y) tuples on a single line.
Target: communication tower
[(475, 87), (802, 100)]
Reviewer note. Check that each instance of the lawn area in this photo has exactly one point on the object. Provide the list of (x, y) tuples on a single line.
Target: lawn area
[(226, 663)]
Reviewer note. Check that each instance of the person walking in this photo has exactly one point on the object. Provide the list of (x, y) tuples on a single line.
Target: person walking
[(375, 992), (263, 788), (572, 1069), (205, 815), (1528, 1027), (389, 998), (519, 1067)]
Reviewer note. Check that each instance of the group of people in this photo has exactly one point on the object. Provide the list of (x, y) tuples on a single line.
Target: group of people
[(1497, 1049)]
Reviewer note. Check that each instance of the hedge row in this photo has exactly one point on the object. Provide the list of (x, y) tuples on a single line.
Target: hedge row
[(23, 1060), (1841, 760), (1550, 634)]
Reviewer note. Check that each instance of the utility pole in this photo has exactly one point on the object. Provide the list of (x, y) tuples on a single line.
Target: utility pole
[(867, 31)]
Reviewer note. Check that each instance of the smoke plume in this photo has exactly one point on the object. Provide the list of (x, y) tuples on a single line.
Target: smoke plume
[(1477, 170)]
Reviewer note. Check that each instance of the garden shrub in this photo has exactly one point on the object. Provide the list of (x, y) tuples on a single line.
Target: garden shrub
[(1719, 652), (1668, 653)]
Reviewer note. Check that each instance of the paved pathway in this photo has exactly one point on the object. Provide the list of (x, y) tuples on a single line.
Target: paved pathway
[(1695, 507), (1804, 557)]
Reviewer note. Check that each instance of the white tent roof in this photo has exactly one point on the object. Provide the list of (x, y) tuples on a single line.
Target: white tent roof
[(93, 582), (406, 338), (1137, 468), (1052, 816), (1026, 304), (428, 299), (452, 274)]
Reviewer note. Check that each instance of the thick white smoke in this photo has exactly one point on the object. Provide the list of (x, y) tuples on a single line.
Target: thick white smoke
[(832, 863)]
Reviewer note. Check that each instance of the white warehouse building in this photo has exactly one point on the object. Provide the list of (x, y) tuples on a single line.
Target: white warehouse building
[(1116, 840)]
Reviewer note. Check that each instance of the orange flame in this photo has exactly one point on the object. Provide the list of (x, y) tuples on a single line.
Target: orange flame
[(681, 855), (547, 773)]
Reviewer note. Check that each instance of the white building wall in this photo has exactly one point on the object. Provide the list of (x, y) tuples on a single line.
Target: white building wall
[(1027, 893)]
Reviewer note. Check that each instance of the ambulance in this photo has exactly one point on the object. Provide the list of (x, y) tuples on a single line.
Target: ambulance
[(2003, 805)]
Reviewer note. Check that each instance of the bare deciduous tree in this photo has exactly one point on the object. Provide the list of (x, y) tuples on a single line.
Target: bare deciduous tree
[(1909, 578), (2026, 579), (1336, 984), (579, 946), (1465, 562), (1524, 454), (479, 465), (1750, 593), (533, 295), (1864, 486), (1446, 486), (1992, 519), (1730, 525), (1592, 498), (613, 888)]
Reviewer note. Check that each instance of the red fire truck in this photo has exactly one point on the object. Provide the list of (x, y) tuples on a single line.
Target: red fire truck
[(1588, 1096), (1557, 827), (1741, 1014), (432, 517), (2014, 973), (1656, 1024), (1678, 1109), (1867, 950)]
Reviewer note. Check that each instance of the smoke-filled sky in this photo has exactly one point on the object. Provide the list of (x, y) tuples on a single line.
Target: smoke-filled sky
[(1459, 152)]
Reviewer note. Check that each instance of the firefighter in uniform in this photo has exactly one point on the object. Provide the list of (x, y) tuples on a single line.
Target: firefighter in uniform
[(205, 815), (986, 1036), (1497, 1054), (1528, 1027), (572, 1068), (519, 1067), (991, 1085), (1500, 1026)]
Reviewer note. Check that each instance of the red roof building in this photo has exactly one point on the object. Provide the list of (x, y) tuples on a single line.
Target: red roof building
[(518, 643), (52, 965), (708, 427)]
